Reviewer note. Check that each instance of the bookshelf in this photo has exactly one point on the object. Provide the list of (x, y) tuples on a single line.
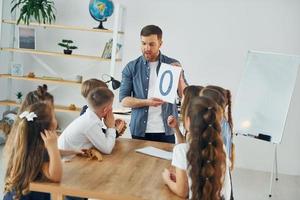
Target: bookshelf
[(57, 54), (58, 26), (58, 108), (9, 45), (41, 79)]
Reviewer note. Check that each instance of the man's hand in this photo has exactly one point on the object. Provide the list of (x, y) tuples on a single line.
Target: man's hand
[(155, 102), (181, 82)]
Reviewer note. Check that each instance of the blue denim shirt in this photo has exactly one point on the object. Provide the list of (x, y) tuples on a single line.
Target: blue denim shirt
[(135, 83)]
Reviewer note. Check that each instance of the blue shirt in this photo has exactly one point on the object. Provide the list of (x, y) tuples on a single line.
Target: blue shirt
[(135, 83)]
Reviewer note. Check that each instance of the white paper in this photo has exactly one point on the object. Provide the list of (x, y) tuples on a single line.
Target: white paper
[(152, 151), (167, 82)]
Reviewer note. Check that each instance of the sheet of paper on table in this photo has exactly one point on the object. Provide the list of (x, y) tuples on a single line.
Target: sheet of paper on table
[(152, 151)]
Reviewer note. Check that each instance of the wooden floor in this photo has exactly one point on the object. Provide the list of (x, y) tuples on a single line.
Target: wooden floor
[(247, 184)]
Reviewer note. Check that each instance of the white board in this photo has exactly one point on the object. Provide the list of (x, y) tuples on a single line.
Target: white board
[(265, 91)]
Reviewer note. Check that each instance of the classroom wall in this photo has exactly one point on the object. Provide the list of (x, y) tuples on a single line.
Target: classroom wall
[(210, 38)]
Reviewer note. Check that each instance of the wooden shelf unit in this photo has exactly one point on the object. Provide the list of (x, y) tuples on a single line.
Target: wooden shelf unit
[(60, 26), (49, 53), (58, 108), (40, 79)]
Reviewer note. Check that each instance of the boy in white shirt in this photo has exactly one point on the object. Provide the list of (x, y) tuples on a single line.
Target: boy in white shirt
[(86, 130)]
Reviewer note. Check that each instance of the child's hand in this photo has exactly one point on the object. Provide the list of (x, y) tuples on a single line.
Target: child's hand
[(121, 126), (50, 139), (166, 175), (172, 122), (109, 120), (172, 171)]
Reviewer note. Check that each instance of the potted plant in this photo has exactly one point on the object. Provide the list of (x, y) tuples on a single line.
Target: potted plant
[(40, 10), (66, 44), (19, 97)]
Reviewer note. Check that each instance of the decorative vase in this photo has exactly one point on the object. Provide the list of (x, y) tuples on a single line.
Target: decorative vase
[(66, 51)]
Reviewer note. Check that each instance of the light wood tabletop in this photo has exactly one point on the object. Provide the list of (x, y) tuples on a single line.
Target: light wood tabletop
[(125, 174)]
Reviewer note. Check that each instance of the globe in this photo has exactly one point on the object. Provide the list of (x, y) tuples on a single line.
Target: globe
[(100, 10)]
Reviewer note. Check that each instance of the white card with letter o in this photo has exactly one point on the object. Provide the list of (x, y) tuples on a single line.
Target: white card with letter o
[(167, 82)]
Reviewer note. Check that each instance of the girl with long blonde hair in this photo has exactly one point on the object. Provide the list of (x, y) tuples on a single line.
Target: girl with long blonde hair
[(34, 155)]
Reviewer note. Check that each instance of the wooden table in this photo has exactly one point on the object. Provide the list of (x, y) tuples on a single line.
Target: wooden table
[(123, 175)]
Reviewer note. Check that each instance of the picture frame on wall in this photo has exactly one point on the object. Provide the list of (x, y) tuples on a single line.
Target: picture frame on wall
[(17, 69), (27, 38)]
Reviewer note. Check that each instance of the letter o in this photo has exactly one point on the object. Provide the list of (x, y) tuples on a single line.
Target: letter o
[(168, 72)]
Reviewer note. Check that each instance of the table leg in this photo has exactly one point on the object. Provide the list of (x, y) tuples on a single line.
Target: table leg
[(57, 196)]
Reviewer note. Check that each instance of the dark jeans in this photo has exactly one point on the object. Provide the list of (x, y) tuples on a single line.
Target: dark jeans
[(158, 137), (30, 196), (37, 196)]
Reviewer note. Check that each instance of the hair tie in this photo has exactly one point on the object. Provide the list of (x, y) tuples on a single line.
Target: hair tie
[(28, 115)]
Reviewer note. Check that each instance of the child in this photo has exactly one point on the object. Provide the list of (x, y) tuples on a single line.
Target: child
[(38, 95), (201, 166), (34, 155), (223, 98), (91, 84), (86, 130), (87, 86), (188, 93)]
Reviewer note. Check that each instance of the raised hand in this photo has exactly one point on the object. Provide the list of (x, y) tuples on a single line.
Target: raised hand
[(172, 122), (50, 139)]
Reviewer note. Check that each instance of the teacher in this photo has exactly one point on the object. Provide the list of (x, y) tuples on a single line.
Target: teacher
[(149, 114)]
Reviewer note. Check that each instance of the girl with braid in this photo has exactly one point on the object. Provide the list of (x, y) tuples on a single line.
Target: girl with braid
[(223, 97), (201, 165)]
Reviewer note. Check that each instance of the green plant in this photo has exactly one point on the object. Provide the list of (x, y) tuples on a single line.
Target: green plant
[(19, 95), (66, 44), (41, 10)]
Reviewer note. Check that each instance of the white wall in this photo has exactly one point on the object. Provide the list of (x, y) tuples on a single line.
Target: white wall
[(211, 39)]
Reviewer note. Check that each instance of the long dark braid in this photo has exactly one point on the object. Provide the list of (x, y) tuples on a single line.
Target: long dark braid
[(206, 155)]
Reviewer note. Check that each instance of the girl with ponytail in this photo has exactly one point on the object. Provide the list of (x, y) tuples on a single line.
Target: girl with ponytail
[(35, 155), (36, 96), (201, 165)]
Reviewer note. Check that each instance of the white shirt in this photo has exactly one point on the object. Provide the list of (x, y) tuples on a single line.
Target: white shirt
[(179, 160), (85, 132), (155, 121)]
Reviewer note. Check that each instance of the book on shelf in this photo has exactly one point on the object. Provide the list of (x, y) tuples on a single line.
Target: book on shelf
[(108, 49)]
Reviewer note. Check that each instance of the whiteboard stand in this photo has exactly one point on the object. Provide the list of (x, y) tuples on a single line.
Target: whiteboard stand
[(274, 167)]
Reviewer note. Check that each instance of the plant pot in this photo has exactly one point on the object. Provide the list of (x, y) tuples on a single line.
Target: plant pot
[(66, 51)]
